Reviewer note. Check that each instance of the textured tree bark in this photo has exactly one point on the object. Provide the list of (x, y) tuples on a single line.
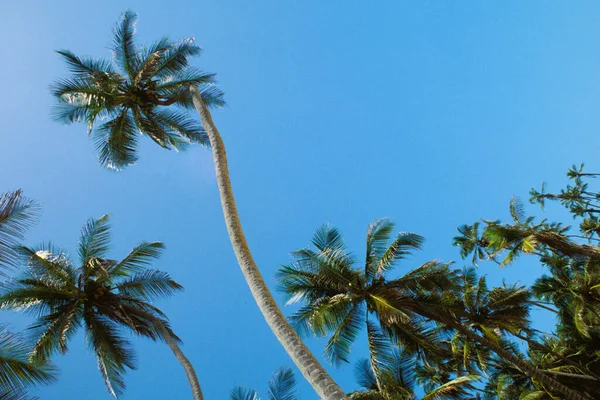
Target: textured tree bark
[(314, 373), (183, 360)]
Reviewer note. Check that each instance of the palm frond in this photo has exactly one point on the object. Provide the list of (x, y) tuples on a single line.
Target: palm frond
[(54, 330), (240, 393), (123, 45), (95, 239), (338, 347), (378, 234), (400, 247), (327, 237), (16, 372), (116, 142), (86, 67), (112, 351), (283, 385), (17, 214), (364, 374), (175, 59), (50, 264), (380, 351), (138, 259), (148, 285), (181, 125), (456, 388)]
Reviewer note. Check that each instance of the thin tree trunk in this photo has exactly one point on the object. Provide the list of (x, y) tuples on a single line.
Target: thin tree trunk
[(183, 360), (521, 364), (314, 373)]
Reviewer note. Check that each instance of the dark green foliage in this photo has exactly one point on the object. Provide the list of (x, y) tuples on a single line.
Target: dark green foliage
[(342, 297), (101, 294), (17, 372), (570, 288), (133, 94)]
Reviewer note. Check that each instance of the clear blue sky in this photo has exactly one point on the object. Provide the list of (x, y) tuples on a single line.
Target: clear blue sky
[(433, 113)]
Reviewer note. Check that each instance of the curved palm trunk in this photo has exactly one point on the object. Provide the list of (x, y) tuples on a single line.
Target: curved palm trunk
[(314, 373), (185, 363), (518, 362)]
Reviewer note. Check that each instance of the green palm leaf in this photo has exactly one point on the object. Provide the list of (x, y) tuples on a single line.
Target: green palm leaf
[(283, 385), (17, 214)]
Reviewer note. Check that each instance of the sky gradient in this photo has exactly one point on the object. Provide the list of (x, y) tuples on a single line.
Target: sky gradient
[(433, 113)]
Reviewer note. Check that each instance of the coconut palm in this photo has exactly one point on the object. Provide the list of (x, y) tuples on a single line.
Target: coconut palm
[(281, 387), (342, 297), (139, 98), (102, 295), (338, 294)]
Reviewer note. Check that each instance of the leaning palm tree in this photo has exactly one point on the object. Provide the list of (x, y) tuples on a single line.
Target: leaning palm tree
[(135, 95), (102, 295), (342, 297), (17, 373), (338, 294), (281, 387)]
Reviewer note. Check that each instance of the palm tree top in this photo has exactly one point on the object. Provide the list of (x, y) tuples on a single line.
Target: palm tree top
[(133, 93), (101, 294)]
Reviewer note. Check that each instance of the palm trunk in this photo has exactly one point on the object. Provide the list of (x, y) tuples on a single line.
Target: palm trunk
[(185, 363), (518, 362), (314, 373)]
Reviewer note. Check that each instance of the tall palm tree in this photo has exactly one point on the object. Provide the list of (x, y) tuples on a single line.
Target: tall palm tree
[(103, 295), (281, 387), (139, 98), (337, 294)]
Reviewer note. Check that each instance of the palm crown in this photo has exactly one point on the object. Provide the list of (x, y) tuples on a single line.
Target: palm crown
[(133, 93), (340, 297), (102, 295)]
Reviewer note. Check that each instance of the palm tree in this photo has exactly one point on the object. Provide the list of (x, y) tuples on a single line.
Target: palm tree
[(102, 295), (16, 371), (341, 297), (281, 387), (139, 98), (338, 295)]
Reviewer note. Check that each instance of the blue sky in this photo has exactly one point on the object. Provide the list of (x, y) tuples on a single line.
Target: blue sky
[(433, 113)]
